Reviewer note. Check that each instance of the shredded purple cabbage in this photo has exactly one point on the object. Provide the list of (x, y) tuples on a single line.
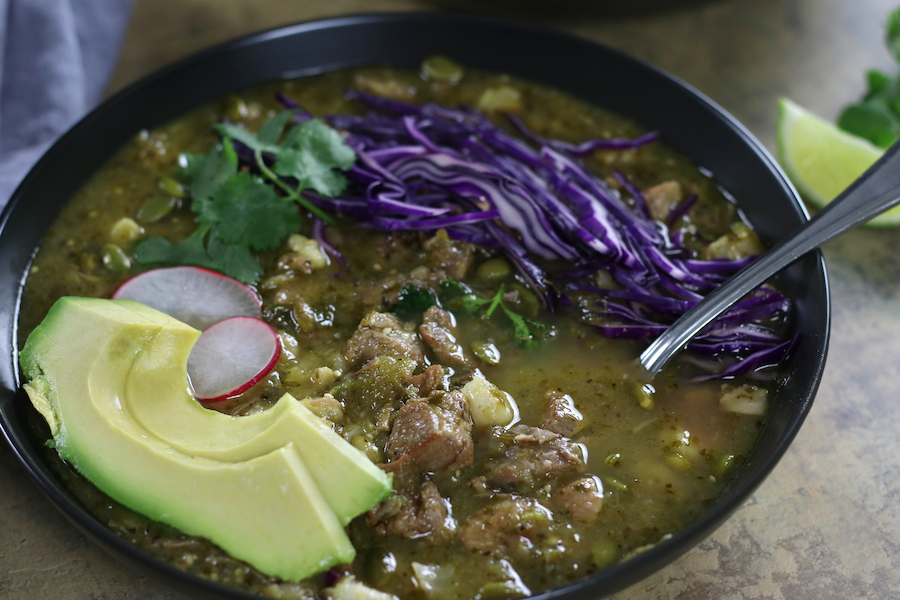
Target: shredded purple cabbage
[(318, 232), (429, 167)]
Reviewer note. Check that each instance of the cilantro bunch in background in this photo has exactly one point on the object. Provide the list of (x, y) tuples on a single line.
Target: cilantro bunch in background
[(243, 212), (823, 158), (877, 116)]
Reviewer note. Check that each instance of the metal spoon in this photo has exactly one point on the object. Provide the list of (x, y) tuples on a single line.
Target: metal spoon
[(876, 190)]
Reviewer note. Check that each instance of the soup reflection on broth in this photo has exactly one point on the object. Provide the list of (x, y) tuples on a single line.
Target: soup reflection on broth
[(527, 449)]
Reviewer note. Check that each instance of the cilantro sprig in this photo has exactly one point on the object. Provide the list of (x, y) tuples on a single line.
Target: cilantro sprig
[(457, 294), (309, 153), (413, 300), (240, 213), (876, 117)]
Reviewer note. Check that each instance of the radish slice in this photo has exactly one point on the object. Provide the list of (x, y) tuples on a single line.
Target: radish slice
[(232, 356), (193, 295)]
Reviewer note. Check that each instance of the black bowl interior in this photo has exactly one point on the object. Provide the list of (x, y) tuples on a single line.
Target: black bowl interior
[(688, 121)]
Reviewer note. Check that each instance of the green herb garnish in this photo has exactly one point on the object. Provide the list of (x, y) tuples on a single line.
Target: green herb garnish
[(877, 116), (240, 213), (414, 300)]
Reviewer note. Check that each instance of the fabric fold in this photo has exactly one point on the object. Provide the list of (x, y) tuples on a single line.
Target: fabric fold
[(56, 57)]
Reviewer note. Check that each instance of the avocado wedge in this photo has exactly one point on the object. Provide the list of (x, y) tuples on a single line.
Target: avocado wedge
[(110, 378)]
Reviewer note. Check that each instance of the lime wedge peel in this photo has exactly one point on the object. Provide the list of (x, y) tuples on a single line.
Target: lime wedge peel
[(821, 159)]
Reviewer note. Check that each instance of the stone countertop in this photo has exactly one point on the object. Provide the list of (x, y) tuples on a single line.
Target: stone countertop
[(826, 524)]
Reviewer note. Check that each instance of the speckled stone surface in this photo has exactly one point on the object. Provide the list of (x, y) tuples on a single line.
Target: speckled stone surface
[(826, 524)]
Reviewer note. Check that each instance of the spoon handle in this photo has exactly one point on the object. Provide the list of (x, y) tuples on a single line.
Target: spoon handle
[(877, 190)]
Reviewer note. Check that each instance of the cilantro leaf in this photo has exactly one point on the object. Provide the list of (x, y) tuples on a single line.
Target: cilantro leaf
[(494, 302), (471, 303), (244, 210), (189, 165), (231, 259), (309, 173), (413, 300), (522, 328), (317, 136), (876, 117), (311, 152), (872, 119), (204, 175), (241, 212), (450, 289), (271, 130), (892, 39), (879, 83), (459, 297), (248, 138), (235, 259), (160, 251)]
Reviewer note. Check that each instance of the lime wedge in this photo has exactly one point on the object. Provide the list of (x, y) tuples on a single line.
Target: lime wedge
[(821, 159)]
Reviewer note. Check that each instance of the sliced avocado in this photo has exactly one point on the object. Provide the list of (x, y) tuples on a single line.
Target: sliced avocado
[(159, 398), (265, 509)]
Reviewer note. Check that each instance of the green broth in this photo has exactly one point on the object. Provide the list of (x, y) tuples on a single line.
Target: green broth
[(661, 458)]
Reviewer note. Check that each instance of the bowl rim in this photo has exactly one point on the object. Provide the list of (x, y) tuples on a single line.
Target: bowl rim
[(605, 582)]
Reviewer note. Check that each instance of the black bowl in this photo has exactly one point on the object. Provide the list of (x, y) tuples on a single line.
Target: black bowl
[(688, 121)]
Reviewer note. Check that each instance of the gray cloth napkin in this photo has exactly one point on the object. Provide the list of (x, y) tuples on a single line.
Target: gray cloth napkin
[(56, 57)]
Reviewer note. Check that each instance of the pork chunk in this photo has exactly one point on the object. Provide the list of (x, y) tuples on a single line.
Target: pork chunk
[(382, 334), (536, 455), (435, 437), (414, 516), (428, 382), (561, 416), (451, 256), (582, 499), (438, 329), (662, 198), (510, 523)]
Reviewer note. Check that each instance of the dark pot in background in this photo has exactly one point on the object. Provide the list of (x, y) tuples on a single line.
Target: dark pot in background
[(567, 8)]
